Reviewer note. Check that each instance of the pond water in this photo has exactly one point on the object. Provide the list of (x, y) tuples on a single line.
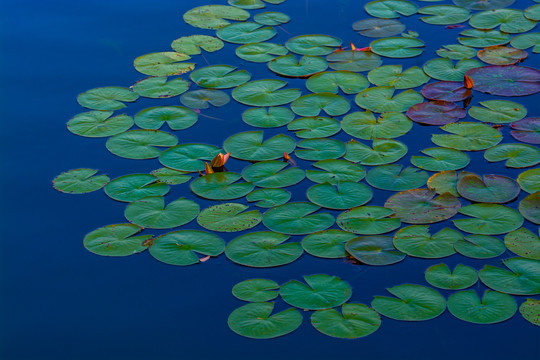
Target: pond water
[(60, 301)]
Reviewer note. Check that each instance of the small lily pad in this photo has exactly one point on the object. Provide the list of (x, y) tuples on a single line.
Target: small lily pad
[(176, 117), (228, 217), (525, 41), (441, 159), (456, 52), (461, 278), (321, 292), (354, 321), (99, 124), (255, 321), (221, 186), (493, 308), (80, 181), (375, 250), (480, 247), (116, 240), (297, 218), (268, 117), (333, 171), (268, 198), (393, 177), (417, 241), (256, 290), (251, 146), (271, 18), (329, 244), (368, 220), (106, 98)]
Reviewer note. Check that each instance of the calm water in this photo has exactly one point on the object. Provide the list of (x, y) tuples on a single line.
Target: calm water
[(59, 301)]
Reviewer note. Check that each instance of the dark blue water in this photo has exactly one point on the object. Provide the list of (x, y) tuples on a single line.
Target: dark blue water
[(59, 301)]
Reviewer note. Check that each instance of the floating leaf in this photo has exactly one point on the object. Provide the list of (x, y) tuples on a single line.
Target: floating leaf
[(354, 321), (523, 278), (320, 149), (115, 240), (417, 241), (228, 217), (491, 189), (312, 104), (192, 45), (289, 66), (397, 47), (272, 174), (151, 212), (177, 117), (444, 14), (314, 127), (381, 99), (530, 208), (368, 220), (214, 16), (99, 124), (249, 145), (221, 186), (390, 8), (532, 13), (165, 63), (350, 60), (170, 176), (378, 27), (493, 308), (181, 247), (363, 125), (188, 157), (245, 33), (481, 38), (436, 113), (488, 219), (271, 18), (526, 130), (256, 290), (297, 218), (529, 180), (140, 144), (79, 181), (440, 159), (530, 310), (524, 243), (393, 75), (252, 4), (134, 187), (265, 93), (267, 198), (446, 91), (461, 278), (446, 181), (480, 247), (411, 303), (456, 52), (268, 117), (483, 4), (344, 195), (382, 152), (263, 249), (334, 171), (510, 20), (468, 136), (516, 155), (219, 77), (501, 55), (444, 69), (201, 99), (333, 81), (506, 80), (106, 98), (157, 87), (393, 177), (329, 244), (317, 45), (525, 41), (420, 206), (254, 321), (321, 292), (498, 111), (260, 52), (374, 250)]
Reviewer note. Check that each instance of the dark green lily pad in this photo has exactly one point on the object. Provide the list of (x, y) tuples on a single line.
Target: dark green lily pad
[(320, 149), (263, 249), (177, 117), (390, 8), (393, 75), (252, 4), (368, 220), (498, 111), (529, 180), (289, 66), (523, 278), (106, 98), (382, 152), (350, 60), (328, 244), (510, 20), (397, 47), (489, 219), (354, 321), (480, 247), (268, 198), (202, 99), (188, 157), (99, 124), (221, 186), (374, 250), (493, 308), (417, 241), (165, 63), (79, 181), (255, 321), (265, 93), (272, 174), (192, 45), (116, 240), (219, 77), (436, 112), (441, 159), (256, 290), (524, 243), (505, 80), (411, 303), (140, 144), (314, 127), (446, 181), (228, 217), (393, 177), (381, 99), (530, 208), (271, 18), (444, 14), (344, 195), (461, 278), (456, 52), (491, 189), (214, 16), (526, 130), (378, 27), (516, 155), (421, 206), (317, 45), (268, 117), (297, 218), (134, 187), (170, 176), (530, 310), (481, 38), (260, 52), (333, 171), (321, 292), (444, 69), (157, 87), (363, 125), (249, 145), (312, 104), (332, 81), (245, 33), (151, 212)]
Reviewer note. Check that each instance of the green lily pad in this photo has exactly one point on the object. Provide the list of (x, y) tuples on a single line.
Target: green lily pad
[(381, 99), (106, 98), (317, 45), (249, 145), (252, 4), (99, 124), (442, 277), (321, 292), (397, 47), (350, 60), (393, 75), (344, 195), (506, 80), (332, 81), (272, 174), (363, 125), (116, 240), (214, 16), (79, 181), (151, 212), (390, 8), (219, 77), (165, 63), (297, 218), (510, 20), (354, 321), (529, 207), (221, 186), (260, 52), (271, 18), (256, 290), (268, 117), (532, 12), (501, 55), (328, 244), (265, 93), (368, 220), (441, 159), (422, 206), (480, 247), (333, 171), (524, 243), (382, 152), (170, 176), (483, 4), (268, 198), (530, 310), (314, 127), (245, 33), (255, 321), (202, 99), (134, 187), (481, 38), (188, 157), (488, 219), (444, 14), (378, 27), (444, 69), (411, 303), (491, 189), (289, 66), (446, 181), (467, 136), (498, 111), (312, 104), (182, 247), (525, 41), (320, 149), (529, 180), (456, 52), (157, 87), (393, 177), (263, 249), (192, 45), (228, 217), (523, 278), (417, 241), (516, 155), (177, 117), (375, 250), (493, 308), (140, 144)]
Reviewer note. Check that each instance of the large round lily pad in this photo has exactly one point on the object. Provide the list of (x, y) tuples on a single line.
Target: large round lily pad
[(192, 45), (221, 186), (313, 104), (456, 52), (267, 198), (397, 47), (498, 111), (99, 124), (188, 157), (134, 187), (202, 99), (523, 278), (480, 246), (394, 177), (363, 125), (524, 243), (116, 240), (489, 189), (157, 87), (228, 217), (317, 45), (489, 219), (381, 99), (444, 14), (265, 93), (374, 250), (516, 155), (106, 98), (328, 244), (176, 117), (245, 33), (442, 277), (289, 66), (314, 127), (333, 171), (140, 144), (214, 16), (354, 321), (417, 241), (501, 55), (255, 321), (268, 117), (444, 69), (480, 38), (436, 112), (260, 52), (378, 27), (165, 63), (297, 218), (249, 145), (320, 149), (382, 152), (446, 91), (351, 60), (151, 212), (321, 292), (441, 159), (422, 206), (493, 308), (79, 181), (219, 77), (393, 75), (368, 220), (256, 290), (271, 18), (170, 176), (344, 195), (332, 81), (272, 174), (505, 80)]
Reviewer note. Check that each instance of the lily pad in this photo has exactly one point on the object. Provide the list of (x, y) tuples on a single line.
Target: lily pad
[(256, 290), (140, 144), (444, 69), (422, 206), (165, 63), (255, 321), (106, 98), (375, 250), (393, 177), (116, 240), (488, 219), (219, 77), (177, 117), (265, 93), (368, 220), (525, 41), (526, 130), (530, 310), (297, 218), (532, 12), (382, 152), (523, 278), (397, 47), (263, 249), (268, 198), (516, 155), (329, 244), (289, 66), (228, 217), (214, 16), (441, 159), (481, 38), (260, 52), (530, 208), (80, 181), (378, 28), (468, 136), (498, 111), (99, 124), (320, 149), (249, 145), (313, 104), (271, 18), (480, 247), (151, 212), (272, 174), (332, 81), (461, 278), (192, 45), (483, 4), (390, 8), (524, 243), (321, 292), (245, 33), (317, 45), (411, 303), (344, 195), (446, 181), (363, 125), (354, 321), (393, 75), (510, 20), (202, 99), (436, 113), (417, 241), (350, 60), (501, 55), (446, 91), (252, 4), (268, 117), (493, 308), (170, 176), (491, 189), (505, 80), (188, 157), (134, 187), (529, 180), (333, 171), (314, 127), (221, 186), (444, 14), (182, 247), (456, 52), (381, 99), (157, 87)]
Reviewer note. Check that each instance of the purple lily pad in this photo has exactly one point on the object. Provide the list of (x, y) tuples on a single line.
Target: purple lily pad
[(527, 130), (446, 91), (436, 113), (505, 80)]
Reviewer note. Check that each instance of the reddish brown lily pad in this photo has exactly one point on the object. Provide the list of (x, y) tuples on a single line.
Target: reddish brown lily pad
[(501, 55), (495, 189), (505, 80), (436, 113), (446, 91), (527, 130)]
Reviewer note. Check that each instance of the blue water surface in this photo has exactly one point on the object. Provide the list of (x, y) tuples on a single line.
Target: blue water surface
[(59, 301)]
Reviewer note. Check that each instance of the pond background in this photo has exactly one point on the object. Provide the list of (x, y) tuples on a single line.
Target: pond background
[(59, 301)]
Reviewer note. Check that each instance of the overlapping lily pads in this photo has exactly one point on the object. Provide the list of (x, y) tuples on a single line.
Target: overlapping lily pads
[(446, 181), (525, 41)]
